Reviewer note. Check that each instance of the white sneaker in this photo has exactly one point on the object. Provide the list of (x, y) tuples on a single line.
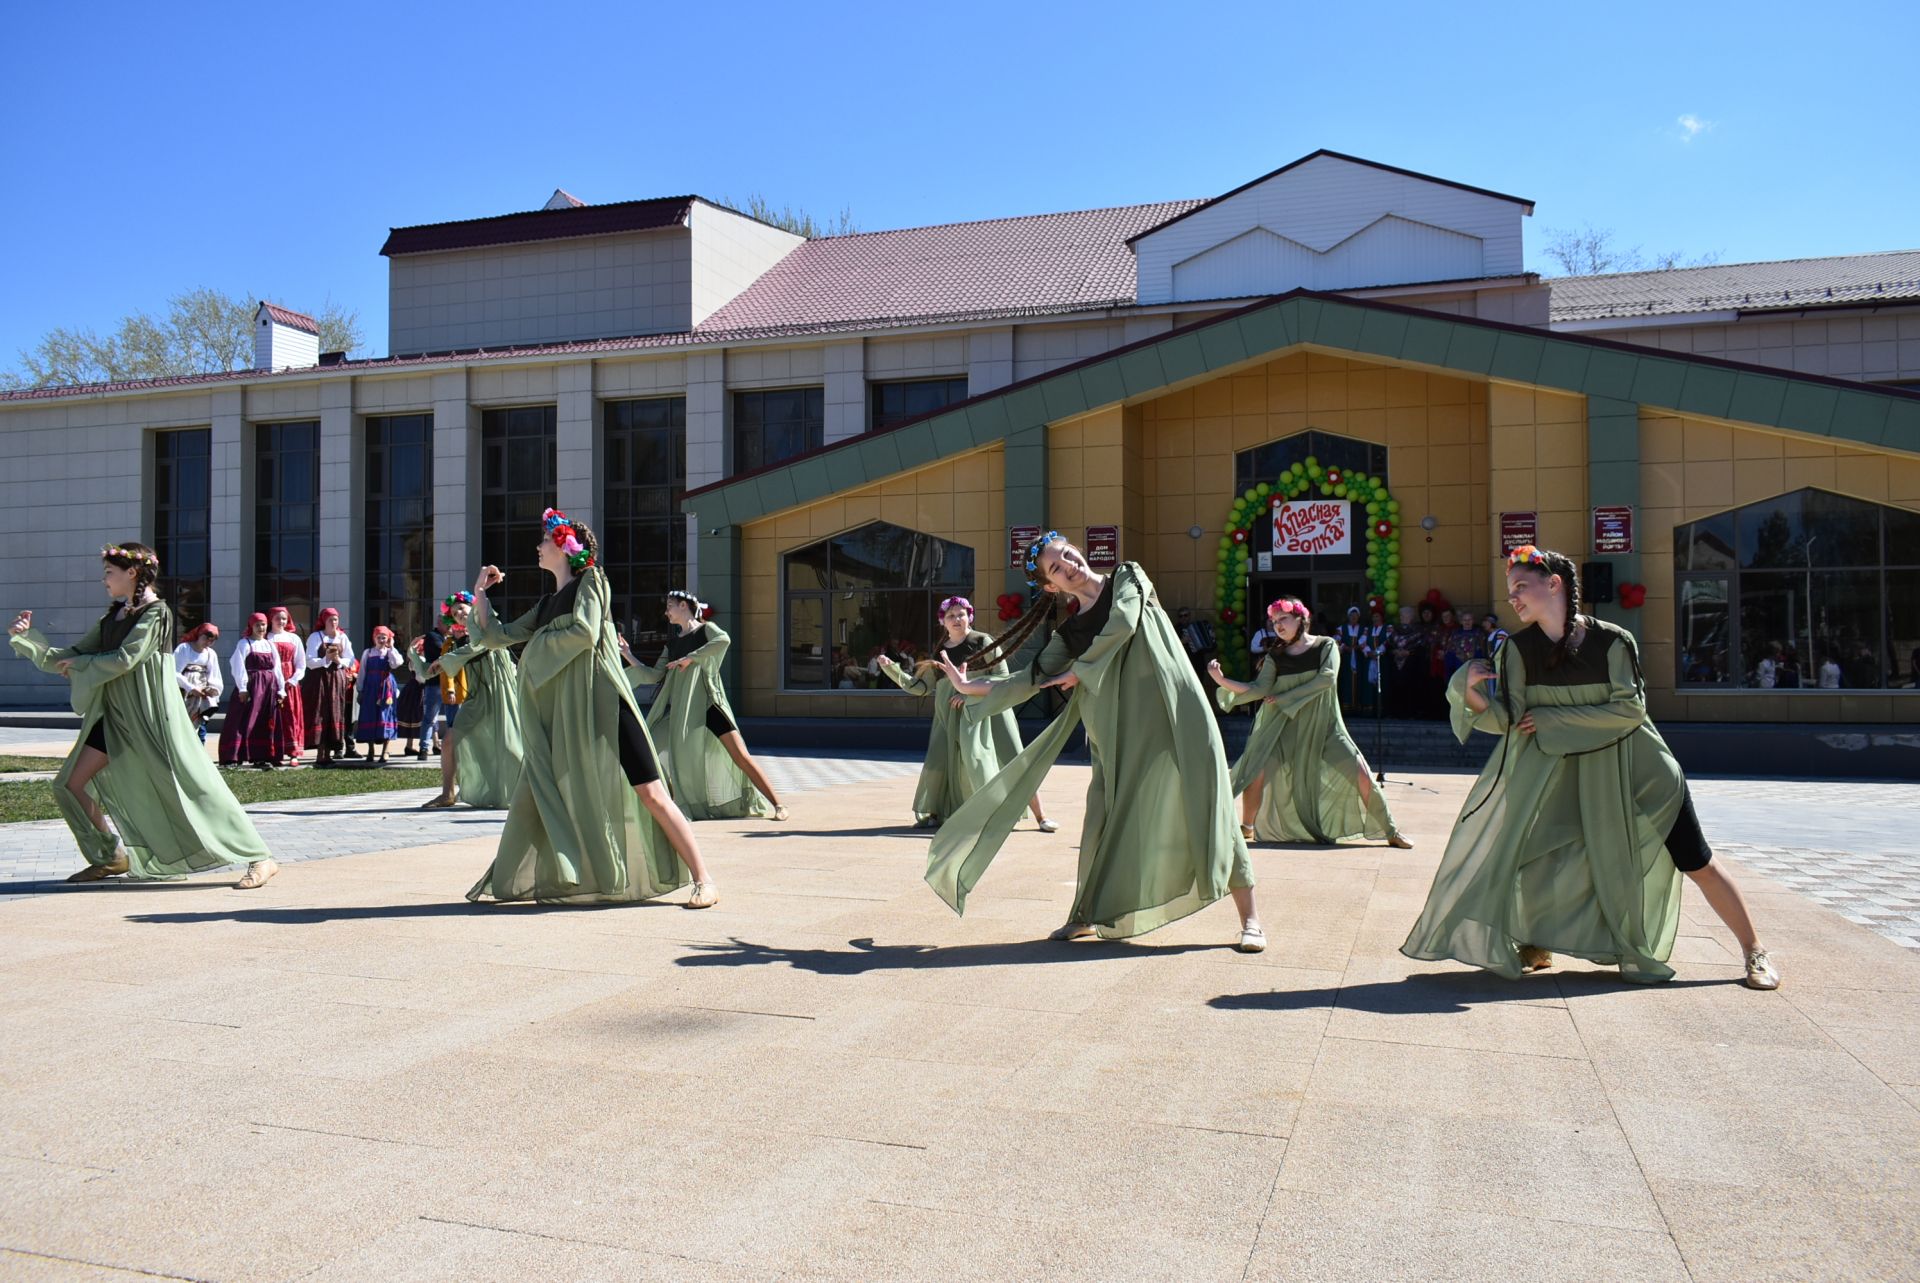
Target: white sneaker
[(1761, 973)]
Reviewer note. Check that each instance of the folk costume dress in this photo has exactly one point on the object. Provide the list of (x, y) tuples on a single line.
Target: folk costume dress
[(378, 722), (327, 690), (1160, 840), (292, 712), (486, 689), (963, 754), (687, 719), (576, 832), (174, 813), (1300, 747), (1574, 836), (254, 732)]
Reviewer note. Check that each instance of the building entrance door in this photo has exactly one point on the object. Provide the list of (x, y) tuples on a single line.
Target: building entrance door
[(1327, 595)]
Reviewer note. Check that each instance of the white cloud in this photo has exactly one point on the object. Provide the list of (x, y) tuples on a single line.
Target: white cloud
[(1692, 126)]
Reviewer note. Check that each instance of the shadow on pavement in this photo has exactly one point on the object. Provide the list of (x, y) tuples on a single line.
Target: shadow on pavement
[(916, 957), (1437, 993)]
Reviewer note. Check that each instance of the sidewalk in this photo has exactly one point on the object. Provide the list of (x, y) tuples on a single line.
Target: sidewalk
[(353, 1074)]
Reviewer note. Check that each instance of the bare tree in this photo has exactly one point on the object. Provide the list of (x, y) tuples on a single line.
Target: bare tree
[(1592, 251), (797, 221), (204, 331)]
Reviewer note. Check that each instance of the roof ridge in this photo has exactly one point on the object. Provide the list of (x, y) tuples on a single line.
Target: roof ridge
[(1709, 267), (1008, 218)]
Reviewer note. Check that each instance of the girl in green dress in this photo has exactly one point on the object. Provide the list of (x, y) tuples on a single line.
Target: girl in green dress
[(1576, 834), (709, 771), (962, 754), (1301, 777), (480, 757), (138, 759), (591, 820), (1159, 841)]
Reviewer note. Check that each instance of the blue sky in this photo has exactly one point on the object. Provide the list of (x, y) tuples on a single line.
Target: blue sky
[(150, 151)]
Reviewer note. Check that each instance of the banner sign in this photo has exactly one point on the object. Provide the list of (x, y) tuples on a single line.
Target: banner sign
[(1103, 547), (1019, 539), (1518, 529), (1308, 527), (1613, 529)]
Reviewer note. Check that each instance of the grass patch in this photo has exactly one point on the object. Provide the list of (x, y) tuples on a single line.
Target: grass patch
[(10, 762), (23, 800)]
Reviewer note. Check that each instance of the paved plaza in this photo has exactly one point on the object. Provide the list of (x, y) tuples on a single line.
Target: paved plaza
[(353, 1074)]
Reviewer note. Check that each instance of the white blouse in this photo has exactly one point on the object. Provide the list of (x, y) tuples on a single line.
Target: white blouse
[(238, 664), (185, 655), (319, 639)]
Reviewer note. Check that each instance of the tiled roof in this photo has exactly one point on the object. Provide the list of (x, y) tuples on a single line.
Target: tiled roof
[(1851, 280), (1042, 263), (288, 317), (540, 225)]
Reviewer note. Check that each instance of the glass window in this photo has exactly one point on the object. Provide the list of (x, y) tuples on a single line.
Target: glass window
[(399, 526), (286, 520), (898, 402), (643, 536), (518, 470), (864, 593), (1812, 597), (182, 463), (771, 427)]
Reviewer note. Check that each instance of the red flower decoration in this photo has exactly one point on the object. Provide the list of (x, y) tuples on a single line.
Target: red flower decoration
[(1376, 602), (1239, 536), (1383, 527), (1333, 476), (1228, 615), (1633, 596), (706, 612), (1276, 501)]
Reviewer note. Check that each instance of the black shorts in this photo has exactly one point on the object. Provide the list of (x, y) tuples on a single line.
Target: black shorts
[(636, 753), (97, 737), (718, 722), (1686, 844)]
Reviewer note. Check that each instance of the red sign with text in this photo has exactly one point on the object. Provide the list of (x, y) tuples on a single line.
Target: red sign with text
[(1613, 529), (1103, 547), (1518, 529), (1019, 539), (1309, 527)]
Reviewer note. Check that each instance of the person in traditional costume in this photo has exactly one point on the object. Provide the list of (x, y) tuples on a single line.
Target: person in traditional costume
[(327, 689), (708, 769), (1352, 640), (482, 751), (254, 732), (962, 753), (591, 820), (293, 669), (1159, 840), (1576, 833), (197, 667), (378, 722), (1301, 778), (137, 760)]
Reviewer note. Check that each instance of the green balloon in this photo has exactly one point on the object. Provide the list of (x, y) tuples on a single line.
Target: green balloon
[(1373, 509), (1339, 492), (1393, 507), (1393, 559), (1360, 477), (1313, 461), (1264, 489), (1251, 494), (1325, 489)]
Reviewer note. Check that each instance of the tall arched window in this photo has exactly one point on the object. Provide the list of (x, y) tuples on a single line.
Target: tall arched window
[(1807, 590), (858, 594)]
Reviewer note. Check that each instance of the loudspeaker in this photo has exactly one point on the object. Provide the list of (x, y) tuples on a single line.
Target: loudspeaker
[(1596, 582)]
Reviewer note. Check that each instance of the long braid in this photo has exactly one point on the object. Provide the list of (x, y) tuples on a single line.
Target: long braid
[(1562, 565), (1017, 634)]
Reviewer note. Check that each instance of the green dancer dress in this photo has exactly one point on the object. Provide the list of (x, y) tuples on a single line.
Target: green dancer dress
[(686, 721), (175, 814), (1561, 844), (1301, 748), (575, 833), (962, 753), (486, 769), (1160, 840)]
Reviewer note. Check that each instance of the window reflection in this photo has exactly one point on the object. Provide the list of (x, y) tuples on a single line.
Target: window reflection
[(865, 593)]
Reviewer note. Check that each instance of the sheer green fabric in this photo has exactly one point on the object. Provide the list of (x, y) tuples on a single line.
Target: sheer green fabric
[(1561, 843), (1311, 767), (1160, 841), (175, 814), (492, 748), (575, 832), (698, 770), (962, 754)]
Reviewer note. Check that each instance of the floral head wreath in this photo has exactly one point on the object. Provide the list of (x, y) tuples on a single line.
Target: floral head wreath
[(951, 602), (1286, 606), (691, 602), (454, 599), (567, 539), (1034, 550), (140, 555), (1528, 555)]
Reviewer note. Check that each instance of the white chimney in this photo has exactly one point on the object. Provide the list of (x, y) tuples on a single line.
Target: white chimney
[(284, 340)]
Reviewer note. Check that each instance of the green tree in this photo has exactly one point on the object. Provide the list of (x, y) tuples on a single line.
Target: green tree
[(203, 331), (789, 219)]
